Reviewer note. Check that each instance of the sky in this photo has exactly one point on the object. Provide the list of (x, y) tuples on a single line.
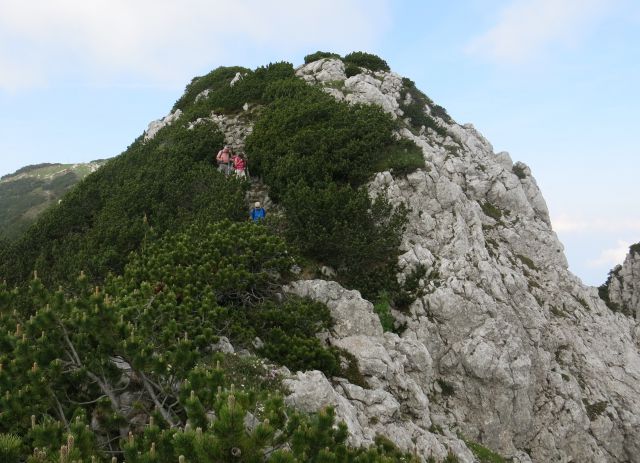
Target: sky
[(553, 82)]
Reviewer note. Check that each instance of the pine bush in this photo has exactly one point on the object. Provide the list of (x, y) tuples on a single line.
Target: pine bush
[(367, 60)]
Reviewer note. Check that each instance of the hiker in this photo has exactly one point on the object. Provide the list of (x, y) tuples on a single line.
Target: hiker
[(257, 213), (224, 158), (240, 165)]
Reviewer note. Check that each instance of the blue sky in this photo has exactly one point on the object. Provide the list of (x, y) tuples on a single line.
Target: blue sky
[(553, 82)]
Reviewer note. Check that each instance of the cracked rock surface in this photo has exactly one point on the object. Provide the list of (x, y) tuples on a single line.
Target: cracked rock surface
[(506, 345), (624, 284)]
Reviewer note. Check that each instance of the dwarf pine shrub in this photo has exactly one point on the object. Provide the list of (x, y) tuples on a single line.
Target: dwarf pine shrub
[(414, 103), (366, 60), (351, 70), (319, 55)]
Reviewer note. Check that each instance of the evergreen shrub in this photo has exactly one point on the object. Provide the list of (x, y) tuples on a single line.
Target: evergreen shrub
[(319, 55), (311, 137), (169, 181), (344, 228), (491, 210), (314, 153), (351, 70), (367, 60), (415, 109), (518, 169), (383, 309), (224, 98), (402, 157), (215, 80)]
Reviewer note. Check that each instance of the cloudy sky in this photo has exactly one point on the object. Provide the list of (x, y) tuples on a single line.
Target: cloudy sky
[(553, 82)]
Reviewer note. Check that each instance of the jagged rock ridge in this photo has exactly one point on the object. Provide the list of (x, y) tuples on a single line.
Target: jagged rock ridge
[(623, 285), (506, 346)]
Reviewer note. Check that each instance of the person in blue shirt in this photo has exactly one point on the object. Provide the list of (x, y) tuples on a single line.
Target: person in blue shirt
[(257, 213)]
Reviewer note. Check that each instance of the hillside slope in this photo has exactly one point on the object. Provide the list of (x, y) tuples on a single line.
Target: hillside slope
[(26, 193), (466, 333)]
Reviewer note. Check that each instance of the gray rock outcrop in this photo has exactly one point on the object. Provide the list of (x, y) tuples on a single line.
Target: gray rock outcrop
[(156, 126), (624, 284), (397, 372), (516, 352)]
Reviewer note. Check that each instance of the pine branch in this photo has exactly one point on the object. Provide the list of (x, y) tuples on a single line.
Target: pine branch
[(164, 412), (59, 409)]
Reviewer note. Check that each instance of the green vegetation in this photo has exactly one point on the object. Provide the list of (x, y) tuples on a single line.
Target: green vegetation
[(306, 135), (483, 454), (383, 308), (174, 299), (342, 227), (436, 429), (557, 312), (168, 181), (351, 70), (594, 410), (353, 61), (10, 448), (415, 108), (320, 55), (223, 98), (518, 169), (26, 193), (115, 299), (411, 289), (216, 81), (583, 303), (634, 249), (491, 211), (315, 153), (402, 158), (30, 168), (527, 261), (446, 387), (366, 60)]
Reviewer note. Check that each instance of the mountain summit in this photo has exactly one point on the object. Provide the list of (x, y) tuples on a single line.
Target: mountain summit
[(406, 282)]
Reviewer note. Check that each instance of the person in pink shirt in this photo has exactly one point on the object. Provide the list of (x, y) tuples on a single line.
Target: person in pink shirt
[(240, 165)]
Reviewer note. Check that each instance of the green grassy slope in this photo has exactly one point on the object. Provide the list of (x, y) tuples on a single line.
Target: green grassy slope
[(28, 192)]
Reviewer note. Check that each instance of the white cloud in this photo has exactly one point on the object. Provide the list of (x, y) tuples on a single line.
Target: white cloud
[(567, 224), (528, 27), (160, 38), (611, 257)]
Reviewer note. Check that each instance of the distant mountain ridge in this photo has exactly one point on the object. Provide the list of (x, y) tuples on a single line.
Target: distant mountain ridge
[(30, 190)]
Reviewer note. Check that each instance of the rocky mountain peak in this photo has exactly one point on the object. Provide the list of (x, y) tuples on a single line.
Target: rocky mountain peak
[(503, 345)]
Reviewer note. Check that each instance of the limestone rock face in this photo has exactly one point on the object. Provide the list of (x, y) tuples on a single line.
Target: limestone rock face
[(352, 314), (155, 126), (322, 71), (506, 347), (397, 371), (235, 129), (624, 284), (381, 88)]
